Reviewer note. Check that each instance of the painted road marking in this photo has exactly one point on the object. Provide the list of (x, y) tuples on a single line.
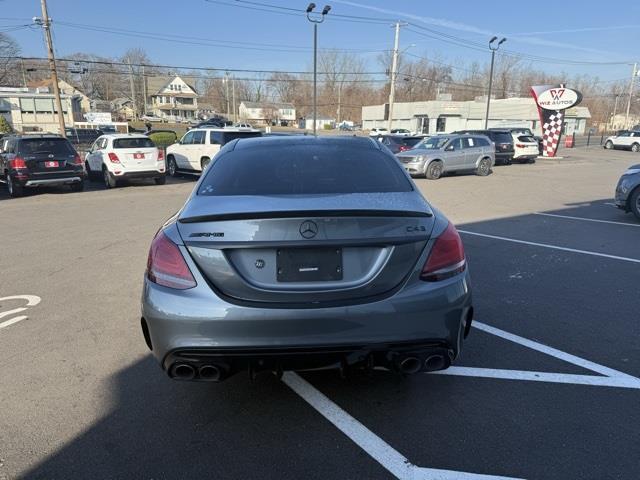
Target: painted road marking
[(588, 219), (553, 247), (374, 446), (32, 301), (395, 462), (610, 203)]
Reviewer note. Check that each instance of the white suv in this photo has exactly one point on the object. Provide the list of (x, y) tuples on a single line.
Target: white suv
[(628, 140), (195, 150), (374, 132), (115, 157)]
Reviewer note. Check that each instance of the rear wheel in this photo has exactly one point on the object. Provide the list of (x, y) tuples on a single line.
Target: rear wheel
[(109, 181), (634, 203), (608, 145), (204, 162), (15, 190), (635, 147), (433, 171), (91, 175), (508, 161), (160, 180), (484, 167), (172, 167)]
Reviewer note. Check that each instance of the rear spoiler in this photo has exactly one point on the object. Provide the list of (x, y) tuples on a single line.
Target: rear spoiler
[(302, 214)]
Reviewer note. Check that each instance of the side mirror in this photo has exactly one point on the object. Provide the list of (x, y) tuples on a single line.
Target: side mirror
[(450, 148)]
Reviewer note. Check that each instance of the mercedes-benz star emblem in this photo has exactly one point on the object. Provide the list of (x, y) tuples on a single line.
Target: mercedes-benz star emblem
[(308, 229)]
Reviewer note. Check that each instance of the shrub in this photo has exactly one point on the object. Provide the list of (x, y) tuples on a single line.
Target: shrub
[(5, 127)]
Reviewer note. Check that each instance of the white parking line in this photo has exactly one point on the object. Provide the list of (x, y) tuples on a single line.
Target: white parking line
[(32, 300), (587, 219), (554, 247), (610, 203), (378, 449)]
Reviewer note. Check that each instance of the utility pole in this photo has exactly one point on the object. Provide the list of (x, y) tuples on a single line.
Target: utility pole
[(133, 91), (634, 74), (493, 56), (144, 92), (615, 110), (226, 86), (24, 75), (45, 21), (316, 20), (339, 113), (233, 96), (394, 73)]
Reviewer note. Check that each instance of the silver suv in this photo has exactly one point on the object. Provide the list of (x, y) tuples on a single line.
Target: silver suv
[(449, 153)]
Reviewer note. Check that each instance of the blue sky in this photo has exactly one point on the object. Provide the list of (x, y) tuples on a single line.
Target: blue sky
[(570, 30)]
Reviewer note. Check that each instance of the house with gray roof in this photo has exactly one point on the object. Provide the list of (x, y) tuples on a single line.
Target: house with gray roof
[(171, 97)]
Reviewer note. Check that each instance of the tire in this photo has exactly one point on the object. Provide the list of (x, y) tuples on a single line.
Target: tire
[(204, 162), (160, 180), (635, 147), (172, 167), (77, 187), (608, 145), (484, 167), (634, 203), (14, 189), (434, 170), (109, 181), (508, 161)]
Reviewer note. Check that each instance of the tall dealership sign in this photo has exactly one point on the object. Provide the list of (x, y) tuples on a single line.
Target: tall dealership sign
[(552, 101)]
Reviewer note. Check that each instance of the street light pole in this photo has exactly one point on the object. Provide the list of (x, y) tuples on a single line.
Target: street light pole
[(493, 56), (316, 20)]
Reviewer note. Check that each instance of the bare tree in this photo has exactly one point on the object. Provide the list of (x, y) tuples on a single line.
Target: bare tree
[(9, 49)]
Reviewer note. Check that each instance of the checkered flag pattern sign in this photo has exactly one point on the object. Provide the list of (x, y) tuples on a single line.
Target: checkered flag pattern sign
[(551, 131)]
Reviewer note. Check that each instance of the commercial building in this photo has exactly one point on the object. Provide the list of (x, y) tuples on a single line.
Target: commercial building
[(267, 113), (66, 88), (34, 109), (444, 115)]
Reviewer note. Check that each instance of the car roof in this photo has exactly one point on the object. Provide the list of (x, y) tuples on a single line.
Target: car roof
[(36, 135), (124, 135), (225, 129), (299, 140)]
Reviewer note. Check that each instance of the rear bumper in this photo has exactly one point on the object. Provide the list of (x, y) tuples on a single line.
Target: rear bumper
[(198, 327), (50, 180), (141, 174)]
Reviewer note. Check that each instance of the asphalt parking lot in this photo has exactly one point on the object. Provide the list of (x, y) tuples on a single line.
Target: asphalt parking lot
[(548, 385)]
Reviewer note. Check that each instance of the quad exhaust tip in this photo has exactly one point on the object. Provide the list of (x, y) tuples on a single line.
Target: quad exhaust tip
[(410, 365), (210, 373), (183, 371), (435, 362)]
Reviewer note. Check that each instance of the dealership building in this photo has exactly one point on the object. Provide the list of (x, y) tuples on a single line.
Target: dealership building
[(34, 109), (444, 115)]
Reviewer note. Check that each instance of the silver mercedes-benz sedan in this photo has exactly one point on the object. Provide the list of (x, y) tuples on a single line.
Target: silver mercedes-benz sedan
[(300, 253)]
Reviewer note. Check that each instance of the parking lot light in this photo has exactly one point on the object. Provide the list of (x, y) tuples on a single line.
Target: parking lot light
[(493, 49), (316, 19)]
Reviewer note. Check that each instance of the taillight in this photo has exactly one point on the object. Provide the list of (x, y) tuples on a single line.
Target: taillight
[(446, 258), (160, 155), (17, 162), (520, 145), (403, 148), (77, 160), (113, 157), (166, 265)]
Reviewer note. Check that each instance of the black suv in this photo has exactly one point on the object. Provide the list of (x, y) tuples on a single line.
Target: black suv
[(37, 160), (83, 136), (502, 140)]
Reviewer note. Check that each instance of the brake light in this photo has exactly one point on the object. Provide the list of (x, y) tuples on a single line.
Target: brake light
[(446, 258), (520, 145), (403, 148), (166, 265), (77, 160), (160, 155), (113, 158), (17, 162)]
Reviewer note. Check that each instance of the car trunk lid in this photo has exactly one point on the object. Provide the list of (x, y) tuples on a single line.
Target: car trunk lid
[(275, 250)]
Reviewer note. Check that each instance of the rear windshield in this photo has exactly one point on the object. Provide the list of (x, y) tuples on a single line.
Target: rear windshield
[(58, 146), (138, 142), (411, 142), (527, 138), (502, 137), (304, 170)]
